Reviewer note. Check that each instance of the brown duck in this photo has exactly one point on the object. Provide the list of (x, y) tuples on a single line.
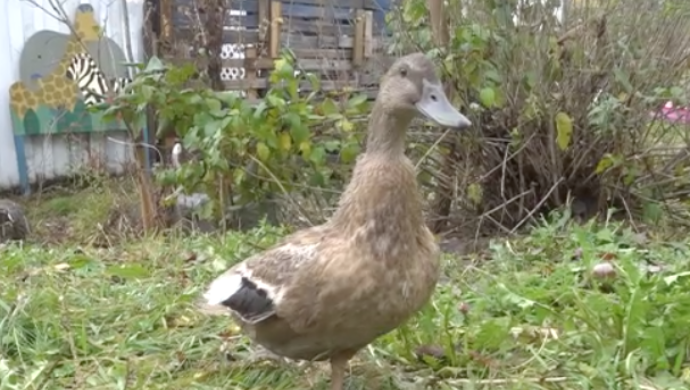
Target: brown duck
[(330, 290)]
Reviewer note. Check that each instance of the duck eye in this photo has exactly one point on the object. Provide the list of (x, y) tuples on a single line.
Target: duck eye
[(403, 72), (433, 98)]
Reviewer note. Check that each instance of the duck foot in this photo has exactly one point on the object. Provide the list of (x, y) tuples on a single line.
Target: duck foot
[(262, 354)]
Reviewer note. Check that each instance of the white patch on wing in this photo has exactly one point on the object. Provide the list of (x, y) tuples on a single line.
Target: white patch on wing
[(223, 288), (230, 282)]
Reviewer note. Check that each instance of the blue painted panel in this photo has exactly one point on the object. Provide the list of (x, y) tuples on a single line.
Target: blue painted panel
[(20, 150)]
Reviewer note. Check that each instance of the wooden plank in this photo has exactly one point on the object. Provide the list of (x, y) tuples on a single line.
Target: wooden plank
[(296, 41), (167, 20), (253, 21), (251, 5), (262, 83), (184, 18), (358, 49), (317, 12), (312, 64), (317, 27), (297, 7), (264, 20), (341, 54), (368, 34), (353, 4), (276, 13), (229, 36), (250, 55)]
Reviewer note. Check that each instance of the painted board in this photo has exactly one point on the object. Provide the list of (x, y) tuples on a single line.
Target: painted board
[(61, 75)]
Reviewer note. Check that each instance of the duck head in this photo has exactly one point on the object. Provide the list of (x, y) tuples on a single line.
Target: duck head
[(411, 87)]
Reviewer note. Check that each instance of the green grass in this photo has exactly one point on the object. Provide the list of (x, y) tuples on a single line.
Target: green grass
[(527, 314)]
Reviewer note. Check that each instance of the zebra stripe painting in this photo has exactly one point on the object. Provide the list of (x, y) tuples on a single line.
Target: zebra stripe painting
[(91, 81)]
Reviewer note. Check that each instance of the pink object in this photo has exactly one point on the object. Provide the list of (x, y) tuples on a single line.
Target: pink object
[(673, 114)]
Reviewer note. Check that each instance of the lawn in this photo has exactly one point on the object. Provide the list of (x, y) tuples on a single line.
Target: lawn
[(534, 312)]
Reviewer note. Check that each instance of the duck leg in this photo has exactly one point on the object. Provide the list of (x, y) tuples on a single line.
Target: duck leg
[(338, 373), (339, 364)]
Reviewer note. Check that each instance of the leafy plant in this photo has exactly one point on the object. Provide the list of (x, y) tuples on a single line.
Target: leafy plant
[(247, 150), (566, 100)]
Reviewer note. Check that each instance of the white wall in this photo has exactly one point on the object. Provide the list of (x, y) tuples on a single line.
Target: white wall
[(57, 155)]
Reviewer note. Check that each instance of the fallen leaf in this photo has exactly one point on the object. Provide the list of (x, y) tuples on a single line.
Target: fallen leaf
[(61, 267)]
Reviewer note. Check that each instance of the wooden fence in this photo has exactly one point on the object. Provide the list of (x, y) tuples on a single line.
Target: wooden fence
[(341, 40)]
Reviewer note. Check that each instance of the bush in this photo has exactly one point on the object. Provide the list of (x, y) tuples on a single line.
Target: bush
[(563, 107), (248, 151)]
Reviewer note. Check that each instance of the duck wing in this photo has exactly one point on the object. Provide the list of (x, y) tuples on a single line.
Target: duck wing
[(254, 288)]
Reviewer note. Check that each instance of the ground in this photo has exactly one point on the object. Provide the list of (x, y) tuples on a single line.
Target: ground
[(532, 312)]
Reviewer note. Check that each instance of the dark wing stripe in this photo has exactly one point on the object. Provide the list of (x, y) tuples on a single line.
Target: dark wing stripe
[(250, 302)]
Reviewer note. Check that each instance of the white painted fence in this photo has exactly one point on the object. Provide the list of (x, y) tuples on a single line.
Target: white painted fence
[(58, 155)]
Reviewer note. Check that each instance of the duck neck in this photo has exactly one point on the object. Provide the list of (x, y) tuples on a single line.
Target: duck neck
[(386, 131), (383, 189)]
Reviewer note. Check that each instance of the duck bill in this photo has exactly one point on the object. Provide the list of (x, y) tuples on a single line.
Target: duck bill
[(435, 106)]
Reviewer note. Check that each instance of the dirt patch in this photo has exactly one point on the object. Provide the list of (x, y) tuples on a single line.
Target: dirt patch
[(64, 214)]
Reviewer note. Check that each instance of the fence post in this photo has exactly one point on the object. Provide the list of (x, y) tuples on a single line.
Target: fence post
[(276, 14), (368, 34), (250, 55), (264, 24), (358, 39)]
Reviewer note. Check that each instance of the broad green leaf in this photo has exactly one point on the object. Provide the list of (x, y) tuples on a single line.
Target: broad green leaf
[(349, 152), (283, 69), (487, 97), (285, 141), (228, 97), (605, 163), (357, 101), (293, 119), (346, 125), (262, 151), (299, 133), (328, 107), (292, 87), (147, 92), (564, 130), (154, 65), (279, 63), (674, 278), (275, 101), (238, 176), (652, 212), (305, 148), (213, 104), (211, 128), (332, 145), (260, 108), (318, 155)]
